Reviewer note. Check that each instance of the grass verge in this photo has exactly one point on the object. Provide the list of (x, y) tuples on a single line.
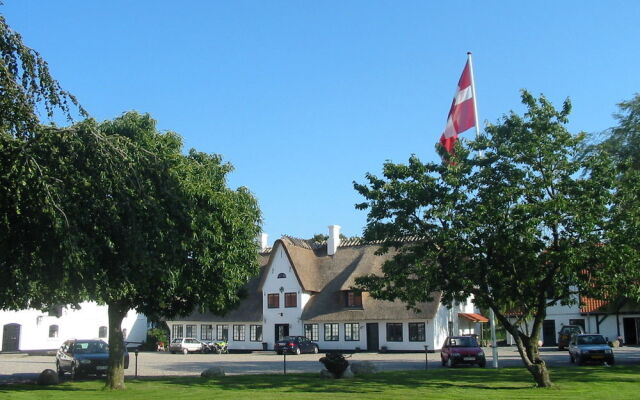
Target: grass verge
[(619, 382)]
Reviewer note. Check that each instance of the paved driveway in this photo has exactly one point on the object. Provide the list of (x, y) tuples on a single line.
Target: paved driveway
[(18, 367)]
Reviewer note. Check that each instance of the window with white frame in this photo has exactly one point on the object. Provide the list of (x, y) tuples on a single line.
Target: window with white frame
[(177, 331), (311, 331), (238, 333), (351, 331), (53, 331), (222, 332), (416, 332), (255, 333), (394, 332), (206, 332), (331, 333), (191, 331)]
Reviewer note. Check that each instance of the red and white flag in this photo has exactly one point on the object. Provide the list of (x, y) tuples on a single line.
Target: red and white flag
[(462, 114)]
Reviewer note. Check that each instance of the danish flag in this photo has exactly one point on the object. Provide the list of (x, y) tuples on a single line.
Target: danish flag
[(462, 114)]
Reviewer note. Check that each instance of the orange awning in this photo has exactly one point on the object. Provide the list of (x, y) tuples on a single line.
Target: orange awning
[(473, 317)]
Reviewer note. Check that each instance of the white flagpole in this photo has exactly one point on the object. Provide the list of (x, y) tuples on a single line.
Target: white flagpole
[(492, 317), (473, 93)]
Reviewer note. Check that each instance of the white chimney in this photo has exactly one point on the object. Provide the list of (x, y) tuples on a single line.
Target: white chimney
[(334, 239), (264, 241)]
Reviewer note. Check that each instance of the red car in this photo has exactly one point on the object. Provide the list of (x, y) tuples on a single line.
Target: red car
[(462, 350)]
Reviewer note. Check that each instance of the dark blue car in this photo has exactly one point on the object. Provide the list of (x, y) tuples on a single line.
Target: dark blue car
[(84, 357), (296, 345)]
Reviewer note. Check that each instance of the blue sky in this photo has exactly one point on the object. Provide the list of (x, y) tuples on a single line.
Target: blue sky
[(305, 97)]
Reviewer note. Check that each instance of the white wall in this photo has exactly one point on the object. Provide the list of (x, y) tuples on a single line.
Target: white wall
[(80, 324), (281, 315)]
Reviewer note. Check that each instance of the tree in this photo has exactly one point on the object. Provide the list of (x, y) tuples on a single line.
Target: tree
[(620, 274), (26, 87), (622, 141), (513, 219), (147, 228)]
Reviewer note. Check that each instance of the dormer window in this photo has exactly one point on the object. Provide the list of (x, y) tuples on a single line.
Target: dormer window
[(353, 299), (282, 275)]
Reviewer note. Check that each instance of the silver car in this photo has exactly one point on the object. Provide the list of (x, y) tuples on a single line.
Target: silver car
[(185, 346), (590, 347)]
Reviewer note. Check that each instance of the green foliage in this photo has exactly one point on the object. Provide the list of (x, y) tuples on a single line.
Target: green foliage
[(513, 219), (26, 85), (623, 141), (116, 213)]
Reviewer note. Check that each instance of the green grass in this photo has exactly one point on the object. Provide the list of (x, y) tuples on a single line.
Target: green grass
[(620, 382)]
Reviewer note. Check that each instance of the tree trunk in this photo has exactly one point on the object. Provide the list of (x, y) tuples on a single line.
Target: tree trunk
[(115, 374), (540, 374), (530, 354)]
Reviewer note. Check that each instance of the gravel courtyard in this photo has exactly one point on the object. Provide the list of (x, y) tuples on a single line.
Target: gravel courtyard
[(21, 367)]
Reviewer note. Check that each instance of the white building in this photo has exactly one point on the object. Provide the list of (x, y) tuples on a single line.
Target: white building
[(612, 319), (304, 288), (35, 330)]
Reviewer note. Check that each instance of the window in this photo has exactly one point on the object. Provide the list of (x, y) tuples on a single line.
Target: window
[(53, 331), (579, 322), (273, 300), (255, 333), (222, 332), (394, 332), (290, 299), (352, 332), (238, 333), (416, 332), (206, 332), (192, 330), (102, 332), (177, 331), (353, 299), (282, 275), (311, 331), (331, 332)]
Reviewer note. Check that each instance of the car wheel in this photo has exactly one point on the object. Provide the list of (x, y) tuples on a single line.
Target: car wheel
[(442, 360), (60, 371), (297, 351), (573, 360), (560, 348), (185, 351), (579, 360), (315, 349)]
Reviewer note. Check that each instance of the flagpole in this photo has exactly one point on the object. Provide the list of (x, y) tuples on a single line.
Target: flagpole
[(473, 92), (492, 317)]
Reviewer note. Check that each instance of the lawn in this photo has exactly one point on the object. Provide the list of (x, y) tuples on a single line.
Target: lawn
[(594, 382)]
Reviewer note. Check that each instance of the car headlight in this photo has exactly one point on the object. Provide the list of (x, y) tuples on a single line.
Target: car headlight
[(481, 354), (583, 351), (85, 361), (455, 354)]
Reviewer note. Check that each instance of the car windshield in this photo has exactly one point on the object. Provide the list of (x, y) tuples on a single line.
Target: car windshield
[(290, 338), (591, 339), (571, 329), (464, 342), (90, 347), (177, 340)]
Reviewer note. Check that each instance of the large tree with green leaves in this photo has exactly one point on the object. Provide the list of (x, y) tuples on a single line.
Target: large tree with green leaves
[(141, 225), (513, 219), (620, 275)]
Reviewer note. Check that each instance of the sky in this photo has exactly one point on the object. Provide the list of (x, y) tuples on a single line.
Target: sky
[(306, 97)]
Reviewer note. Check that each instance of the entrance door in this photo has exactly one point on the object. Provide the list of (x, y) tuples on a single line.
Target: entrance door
[(11, 337), (372, 337), (549, 332), (282, 330), (631, 330)]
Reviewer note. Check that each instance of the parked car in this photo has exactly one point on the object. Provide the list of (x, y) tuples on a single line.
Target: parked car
[(83, 357), (590, 347), (186, 346), (462, 350), (564, 336), (296, 345)]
